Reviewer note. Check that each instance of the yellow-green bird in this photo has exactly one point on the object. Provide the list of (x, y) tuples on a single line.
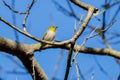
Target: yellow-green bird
[(49, 35)]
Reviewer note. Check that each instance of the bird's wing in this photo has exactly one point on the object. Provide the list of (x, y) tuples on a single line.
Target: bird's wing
[(44, 35)]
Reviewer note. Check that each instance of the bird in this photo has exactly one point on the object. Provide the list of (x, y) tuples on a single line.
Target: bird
[(49, 35)]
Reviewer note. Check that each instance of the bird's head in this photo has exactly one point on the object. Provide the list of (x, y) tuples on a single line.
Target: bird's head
[(52, 28)]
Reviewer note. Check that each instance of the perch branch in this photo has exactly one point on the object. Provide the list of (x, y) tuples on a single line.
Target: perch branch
[(25, 53)]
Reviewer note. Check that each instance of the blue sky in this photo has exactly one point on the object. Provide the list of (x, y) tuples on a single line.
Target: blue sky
[(43, 14)]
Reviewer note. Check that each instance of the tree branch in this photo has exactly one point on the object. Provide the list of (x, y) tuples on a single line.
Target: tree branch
[(25, 53), (32, 37), (27, 13), (12, 8), (68, 62), (88, 50), (83, 5)]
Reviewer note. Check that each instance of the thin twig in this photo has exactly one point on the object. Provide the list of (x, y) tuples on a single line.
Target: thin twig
[(11, 58), (72, 10), (93, 35), (14, 19), (84, 25), (69, 4), (76, 36), (82, 28), (60, 56), (84, 41), (15, 72), (64, 10), (92, 76), (103, 36), (102, 70), (75, 27), (77, 70), (9, 7), (27, 13)]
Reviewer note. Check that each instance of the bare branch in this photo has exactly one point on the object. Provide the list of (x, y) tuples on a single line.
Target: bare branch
[(85, 50), (89, 50), (15, 11), (32, 37), (16, 72), (102, 70), (27, 13), (92, 76), (25, 53), (78, 71), (76, 36), (82, 28), (98, 31), (106, 28), (11, 58), (56, 68), (108, 6), (83, 5), (69, 62), (64, 10)]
